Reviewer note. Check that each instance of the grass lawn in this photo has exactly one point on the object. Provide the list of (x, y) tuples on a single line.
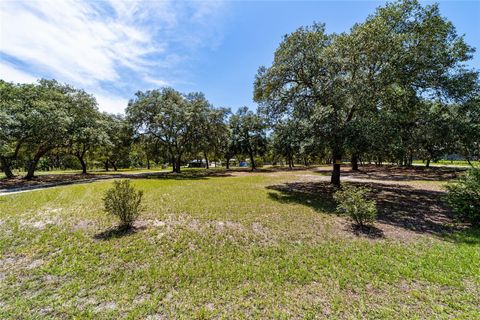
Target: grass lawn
[(448, 163), (98, 171), (237, 245)]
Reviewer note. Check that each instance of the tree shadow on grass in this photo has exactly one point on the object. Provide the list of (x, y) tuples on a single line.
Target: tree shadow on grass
[(369, 231), (313, 194), (401, 206), (469, 236), (396, 173), (45, 182), (185, 175), (117, 232), (318, 196)]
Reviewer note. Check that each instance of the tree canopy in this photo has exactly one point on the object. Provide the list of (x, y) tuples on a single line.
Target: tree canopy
[(389, 67)]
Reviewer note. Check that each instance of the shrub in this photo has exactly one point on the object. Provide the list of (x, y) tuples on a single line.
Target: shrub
[(352, 201), (259, 162), (124, 202), (464, 197)]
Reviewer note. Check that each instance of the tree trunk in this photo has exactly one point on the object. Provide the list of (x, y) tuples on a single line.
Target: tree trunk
[(227, 163), (148, 163), (83, 163), (354, 162), (8, 172), (113, 165), (106, 165), (32, 166), (337, 159), (252, 161), (206, 161), (177, 166), (469, 162), (6, 168), (289, 160), (427, 163)]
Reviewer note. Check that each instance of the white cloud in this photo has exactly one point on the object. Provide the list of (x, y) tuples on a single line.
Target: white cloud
[(106, 101), (102, 46), (9, 73), (157, 82), (70, 39), (111, 103)]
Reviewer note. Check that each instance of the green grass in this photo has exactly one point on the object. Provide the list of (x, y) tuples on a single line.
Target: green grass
[(228, 247), (92, 171), (448, 163)]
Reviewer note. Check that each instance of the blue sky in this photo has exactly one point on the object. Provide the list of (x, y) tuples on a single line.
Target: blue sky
[(114, 48)]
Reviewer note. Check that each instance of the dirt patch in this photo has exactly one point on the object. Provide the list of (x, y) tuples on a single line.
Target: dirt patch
[(105, 306), (157, 316), (14, 262), (227, 226), (38, 224), (35, 264), (396, 173), (402, 209), (231, 229)]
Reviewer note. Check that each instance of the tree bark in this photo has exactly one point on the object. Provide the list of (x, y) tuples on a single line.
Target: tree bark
[(227, 162), (337, 159), (32, 166), (252, 160), (113, 165), (354, 162), (82, 163), (177, 166), (8, 172), (5, 164), (427, 164), (206, 160), (106, 165), (469, 162), (148, 163)]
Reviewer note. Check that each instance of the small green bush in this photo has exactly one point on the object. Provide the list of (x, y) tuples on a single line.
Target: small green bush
[(352, 202), (124, 202), (464, 197), (259, 162)]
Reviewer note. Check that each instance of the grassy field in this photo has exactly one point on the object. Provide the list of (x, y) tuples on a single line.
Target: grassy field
[(98, 171), (235, 245), (448, 163)]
